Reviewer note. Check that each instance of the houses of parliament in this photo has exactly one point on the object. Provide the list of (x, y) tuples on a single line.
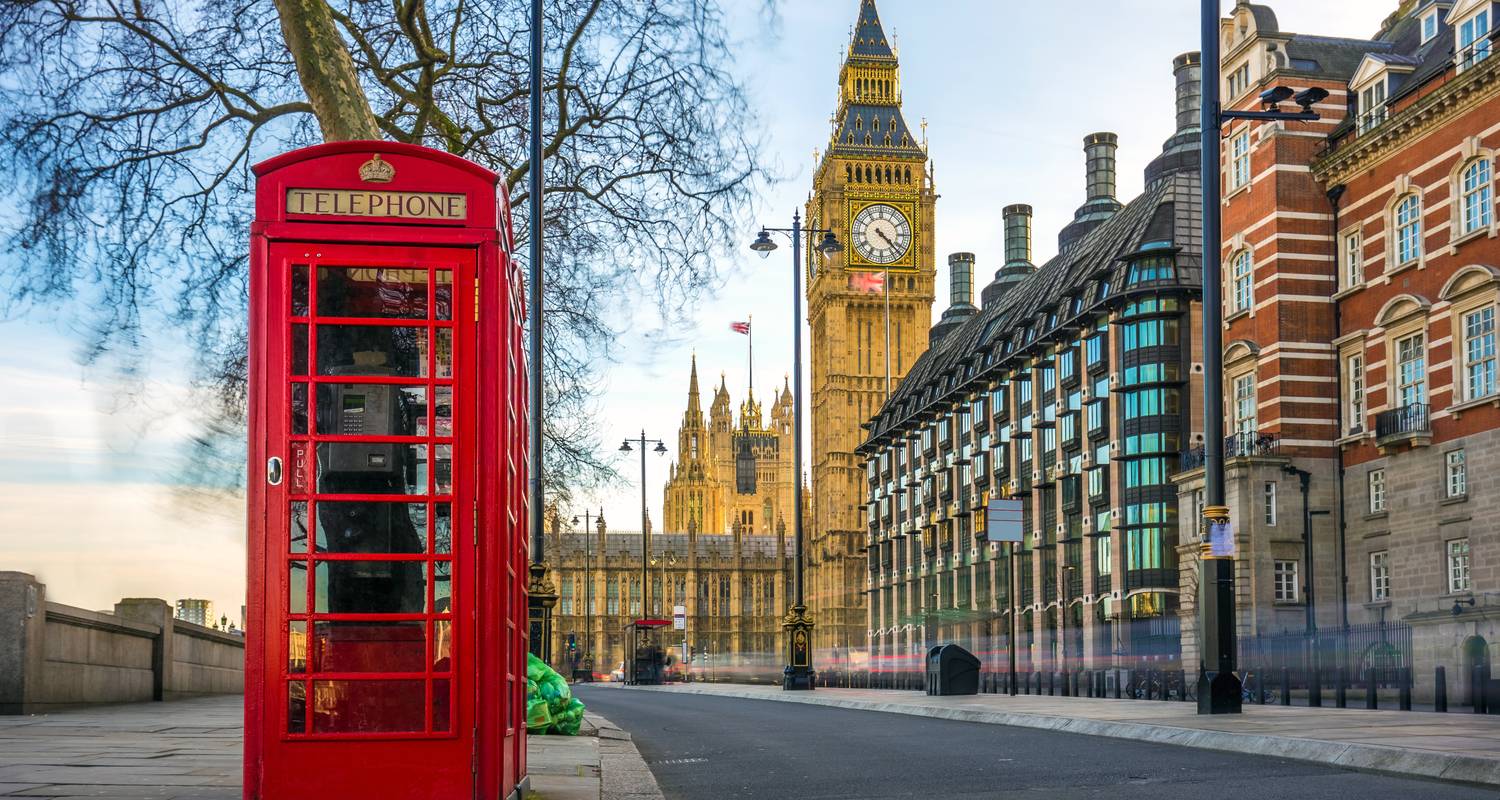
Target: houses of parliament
[(725, 547)]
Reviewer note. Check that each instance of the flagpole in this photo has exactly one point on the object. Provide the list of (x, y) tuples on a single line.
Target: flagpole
[(750, 334), (886, 282)]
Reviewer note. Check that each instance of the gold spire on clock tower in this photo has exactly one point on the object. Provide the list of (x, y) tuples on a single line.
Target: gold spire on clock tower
[(873, 187)]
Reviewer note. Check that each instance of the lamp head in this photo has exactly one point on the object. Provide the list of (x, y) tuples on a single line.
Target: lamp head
[(575, 520), (625, 446), (1271, 97), (763, 243), (661, 449), (830, 244)]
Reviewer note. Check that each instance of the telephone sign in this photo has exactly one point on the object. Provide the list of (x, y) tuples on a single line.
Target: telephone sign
[(386, 641)]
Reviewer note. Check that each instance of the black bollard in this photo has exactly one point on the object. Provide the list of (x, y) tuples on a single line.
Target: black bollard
[(1372, 697), (1118, 681), (1286, 686), (1476, 690), (1150, 675), (1166, 685), (1341, 688), (1051, 683), (1406, 689), (1440, 691), (1315, 688)]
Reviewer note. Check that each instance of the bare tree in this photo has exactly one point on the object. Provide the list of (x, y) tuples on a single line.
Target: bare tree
[(129, 126)]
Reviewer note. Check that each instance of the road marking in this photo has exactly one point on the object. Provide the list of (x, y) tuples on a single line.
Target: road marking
[(681, 761)]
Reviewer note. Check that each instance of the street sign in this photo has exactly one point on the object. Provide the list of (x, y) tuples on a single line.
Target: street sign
[(1002, 520), (679, 618)]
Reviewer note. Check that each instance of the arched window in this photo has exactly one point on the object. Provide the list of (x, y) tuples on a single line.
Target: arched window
[(848, 174), (1243, 276), (867, 140), (908, 169), (859, 123), (887, 169), (876, 123), (1408, 229), (887, 140), (1477, 196)]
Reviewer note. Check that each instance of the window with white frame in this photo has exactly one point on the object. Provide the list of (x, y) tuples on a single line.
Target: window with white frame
[(1429, 26), (1476, 197), (1473, 39), (1479, 353), (1458, 566), (1411, 371), (1268, 501), (1380, 576), (1238, 81), (1376, 481), (1243, 277), (1244, 406), (1354, 366), (1239, 160), (1455, 474), (1286, 581), (1354, 260), (1372, 105), (1408, 229)]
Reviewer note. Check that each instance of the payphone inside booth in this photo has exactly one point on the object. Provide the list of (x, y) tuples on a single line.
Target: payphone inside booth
[(385, 646)]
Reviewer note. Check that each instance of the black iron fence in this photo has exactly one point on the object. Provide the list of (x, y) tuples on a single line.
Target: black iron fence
[(1404, 421), (1236, 445)]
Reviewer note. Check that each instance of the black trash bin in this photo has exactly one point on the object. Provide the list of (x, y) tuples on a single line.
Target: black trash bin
[(952, 670)]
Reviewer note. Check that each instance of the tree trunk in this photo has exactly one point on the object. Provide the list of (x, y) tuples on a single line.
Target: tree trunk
[(326, 71)]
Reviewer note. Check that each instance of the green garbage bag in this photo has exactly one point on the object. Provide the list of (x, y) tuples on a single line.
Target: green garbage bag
[(550, 705)]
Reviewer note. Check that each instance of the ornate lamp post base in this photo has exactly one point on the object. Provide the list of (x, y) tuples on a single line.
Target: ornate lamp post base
[(798, 673), (541, 596)]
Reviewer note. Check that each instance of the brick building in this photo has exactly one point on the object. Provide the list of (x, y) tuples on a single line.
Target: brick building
[(1360, 285)]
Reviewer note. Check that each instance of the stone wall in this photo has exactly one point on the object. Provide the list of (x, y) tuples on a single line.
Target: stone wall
[(54, 656)]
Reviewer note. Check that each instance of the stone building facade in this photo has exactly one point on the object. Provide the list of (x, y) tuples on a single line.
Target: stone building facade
[(734, 587), (1361, 265), (731, 472), (1074, 389)]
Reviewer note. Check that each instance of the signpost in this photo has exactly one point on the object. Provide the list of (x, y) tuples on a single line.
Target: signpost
[(1002, 523)]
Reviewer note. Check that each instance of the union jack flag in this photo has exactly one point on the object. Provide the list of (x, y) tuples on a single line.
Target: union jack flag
[(869, 282), (740, 327)]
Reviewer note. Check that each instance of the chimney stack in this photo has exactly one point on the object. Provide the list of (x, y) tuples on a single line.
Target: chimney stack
[(1099, 152), (1017, 253), (1180, 153), (961, 280), (1099, 158)]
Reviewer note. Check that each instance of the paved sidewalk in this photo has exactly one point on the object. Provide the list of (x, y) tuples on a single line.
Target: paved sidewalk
[(190, 750), (1454, 747)]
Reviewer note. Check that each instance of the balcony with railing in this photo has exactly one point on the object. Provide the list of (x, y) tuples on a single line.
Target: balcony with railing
[(1411, 424), (1238, 445)]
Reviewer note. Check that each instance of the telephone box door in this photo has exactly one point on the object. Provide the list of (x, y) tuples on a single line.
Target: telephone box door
[(369, 512)]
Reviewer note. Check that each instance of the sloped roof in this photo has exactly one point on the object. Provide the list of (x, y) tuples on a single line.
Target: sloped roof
[(859, 121), (869, 36), (1017, 322)]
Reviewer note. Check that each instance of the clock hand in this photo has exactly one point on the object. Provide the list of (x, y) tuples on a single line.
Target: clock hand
[(881, 234)]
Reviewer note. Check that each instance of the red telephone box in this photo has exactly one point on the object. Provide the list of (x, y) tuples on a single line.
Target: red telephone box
[(387, 483)]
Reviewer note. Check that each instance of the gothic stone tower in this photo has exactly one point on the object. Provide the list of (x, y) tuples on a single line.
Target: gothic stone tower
[(693, 494), (873, 187)]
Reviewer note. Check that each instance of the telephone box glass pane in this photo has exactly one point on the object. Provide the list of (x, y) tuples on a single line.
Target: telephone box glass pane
[(298, 542), (444, 368), (299, 409), (371, 587), (299, 349), (442, 586), (370, 646), (371, 409), (296, 708), (443, 411), (299, 290), (369, 706), (374, 350), (361, 468), (442, 702), (443, 469), (442, 646), (296, 596), (442, 528), (372, 292), (370, 526), (442, 306), (296, 647)]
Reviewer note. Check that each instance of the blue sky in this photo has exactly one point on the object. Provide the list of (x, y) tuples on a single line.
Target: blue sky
[(1009, 90)]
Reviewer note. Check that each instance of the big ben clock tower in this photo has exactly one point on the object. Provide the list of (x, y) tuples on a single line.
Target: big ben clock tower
[(874, 189)]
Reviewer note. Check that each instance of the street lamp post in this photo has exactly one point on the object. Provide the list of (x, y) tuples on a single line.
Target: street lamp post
[(798, 673), (588, 590), (660, 449), (1218, 687)]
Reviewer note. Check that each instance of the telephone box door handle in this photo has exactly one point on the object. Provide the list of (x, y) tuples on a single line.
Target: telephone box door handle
[(273, 471)]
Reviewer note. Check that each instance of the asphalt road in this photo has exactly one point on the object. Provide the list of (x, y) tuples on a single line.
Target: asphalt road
[(711, 748)]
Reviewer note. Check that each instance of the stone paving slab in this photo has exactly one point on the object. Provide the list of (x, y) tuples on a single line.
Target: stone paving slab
[(1456, 747), (191, 750)]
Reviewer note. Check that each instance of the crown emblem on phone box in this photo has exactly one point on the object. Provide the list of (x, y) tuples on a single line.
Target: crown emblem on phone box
[(376, 170)]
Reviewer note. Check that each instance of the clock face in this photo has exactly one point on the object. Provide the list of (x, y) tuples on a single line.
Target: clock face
[(881, 234)]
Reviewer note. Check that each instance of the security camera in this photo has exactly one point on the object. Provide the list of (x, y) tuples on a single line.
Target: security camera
[(1271, 97), (1307, 98)]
